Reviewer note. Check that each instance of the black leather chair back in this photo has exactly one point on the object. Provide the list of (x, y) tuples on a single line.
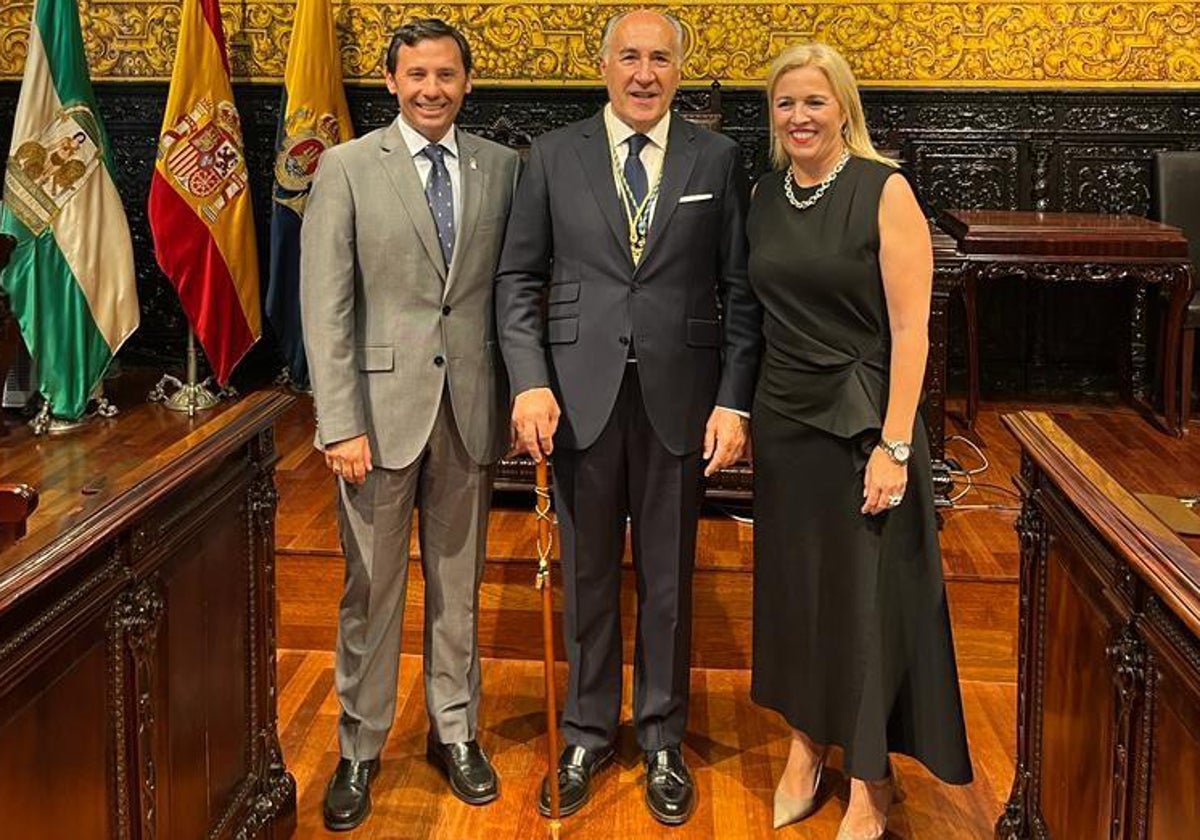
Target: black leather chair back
[(1177, 202)]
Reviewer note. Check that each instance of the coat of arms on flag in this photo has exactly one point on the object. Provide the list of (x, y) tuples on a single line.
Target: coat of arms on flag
[(45, 172), (304, 140), (203, 155)]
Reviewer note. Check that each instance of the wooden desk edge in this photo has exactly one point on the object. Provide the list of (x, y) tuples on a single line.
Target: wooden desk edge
[(44, 553), (1160, 557)]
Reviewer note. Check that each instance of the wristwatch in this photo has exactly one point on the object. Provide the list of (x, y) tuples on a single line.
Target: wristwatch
[(898, 450)]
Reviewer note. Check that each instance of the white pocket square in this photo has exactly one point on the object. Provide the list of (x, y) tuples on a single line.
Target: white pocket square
[(688, 199)]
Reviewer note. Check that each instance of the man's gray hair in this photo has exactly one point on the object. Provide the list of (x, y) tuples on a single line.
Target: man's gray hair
[(616, 19)]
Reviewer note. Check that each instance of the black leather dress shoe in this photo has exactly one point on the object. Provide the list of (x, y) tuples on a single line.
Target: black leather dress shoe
[(348, 796), (670, 791), (576, 767), (467, 768)]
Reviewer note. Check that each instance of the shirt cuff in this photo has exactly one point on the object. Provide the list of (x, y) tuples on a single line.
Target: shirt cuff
[(745, 415)]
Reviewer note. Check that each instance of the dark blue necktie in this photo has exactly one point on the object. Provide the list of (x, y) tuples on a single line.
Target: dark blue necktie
[(635, 170), (440, 196)]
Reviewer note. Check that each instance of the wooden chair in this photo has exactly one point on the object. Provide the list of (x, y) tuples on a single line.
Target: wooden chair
[(17, 504), (1177, 202)]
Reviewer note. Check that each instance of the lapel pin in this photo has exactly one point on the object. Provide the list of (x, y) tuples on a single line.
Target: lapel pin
[(473, 164)]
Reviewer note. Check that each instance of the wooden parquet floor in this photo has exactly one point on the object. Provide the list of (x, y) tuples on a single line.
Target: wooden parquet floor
[(734, 749)]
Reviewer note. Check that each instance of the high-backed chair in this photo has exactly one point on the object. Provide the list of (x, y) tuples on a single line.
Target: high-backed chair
[(1177, 202)]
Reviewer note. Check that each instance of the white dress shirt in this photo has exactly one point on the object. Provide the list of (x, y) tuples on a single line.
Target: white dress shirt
[(416, 143)]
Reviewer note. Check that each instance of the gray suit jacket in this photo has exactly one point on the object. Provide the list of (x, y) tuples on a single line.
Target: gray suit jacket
[(385, 326), (687, 306)]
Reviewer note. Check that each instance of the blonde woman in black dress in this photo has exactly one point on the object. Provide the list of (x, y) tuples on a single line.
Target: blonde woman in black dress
[(851, 631)]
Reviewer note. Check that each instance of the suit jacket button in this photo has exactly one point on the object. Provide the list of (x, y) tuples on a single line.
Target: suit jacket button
[(624, 340), (439, 361), (445, 310)]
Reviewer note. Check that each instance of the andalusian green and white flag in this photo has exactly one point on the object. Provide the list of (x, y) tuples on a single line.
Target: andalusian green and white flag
[(70, 280)]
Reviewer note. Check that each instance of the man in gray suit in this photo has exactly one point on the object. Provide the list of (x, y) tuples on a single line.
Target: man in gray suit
[(629, 225), (401, 238)]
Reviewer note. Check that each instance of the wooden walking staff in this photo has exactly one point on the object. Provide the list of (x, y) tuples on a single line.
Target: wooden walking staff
[(545, 542)]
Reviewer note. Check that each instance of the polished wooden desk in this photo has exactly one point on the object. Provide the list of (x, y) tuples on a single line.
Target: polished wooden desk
[(1079, 248), (137, 631), (1108, 717)]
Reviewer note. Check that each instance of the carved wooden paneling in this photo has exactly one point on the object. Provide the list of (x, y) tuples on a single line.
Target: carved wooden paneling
[(1107, 178), (968, 176)]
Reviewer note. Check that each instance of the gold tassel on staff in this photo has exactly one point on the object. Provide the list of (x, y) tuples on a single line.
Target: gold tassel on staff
[(545, 542)]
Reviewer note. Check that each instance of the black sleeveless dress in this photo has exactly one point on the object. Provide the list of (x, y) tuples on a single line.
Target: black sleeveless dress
[(852, 637)]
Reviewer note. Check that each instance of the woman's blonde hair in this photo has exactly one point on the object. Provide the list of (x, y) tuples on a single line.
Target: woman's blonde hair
[(841, 78)]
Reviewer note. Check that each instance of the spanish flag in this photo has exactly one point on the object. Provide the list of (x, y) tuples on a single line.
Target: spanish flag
[(312, 117), (200, 213)]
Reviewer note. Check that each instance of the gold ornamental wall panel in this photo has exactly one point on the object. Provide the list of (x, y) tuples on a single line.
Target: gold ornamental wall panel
[(913, 44)]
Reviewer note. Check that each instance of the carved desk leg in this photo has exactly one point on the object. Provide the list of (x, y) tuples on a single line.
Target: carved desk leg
[(1133, 384), (935, 376), (1179, 287), (971, 304), (947, 281)]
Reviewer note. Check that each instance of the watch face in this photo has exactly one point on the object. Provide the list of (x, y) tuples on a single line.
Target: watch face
[(902, 451)]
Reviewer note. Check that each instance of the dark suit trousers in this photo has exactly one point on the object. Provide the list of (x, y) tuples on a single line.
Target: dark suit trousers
[(627, 472)]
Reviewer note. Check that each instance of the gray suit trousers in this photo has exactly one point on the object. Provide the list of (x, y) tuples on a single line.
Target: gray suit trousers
[(375, 520)]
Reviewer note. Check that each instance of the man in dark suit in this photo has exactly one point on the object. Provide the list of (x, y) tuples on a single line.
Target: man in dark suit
[(630, 225)]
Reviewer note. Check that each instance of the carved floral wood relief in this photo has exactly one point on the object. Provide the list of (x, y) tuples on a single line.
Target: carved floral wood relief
[(935, 44)]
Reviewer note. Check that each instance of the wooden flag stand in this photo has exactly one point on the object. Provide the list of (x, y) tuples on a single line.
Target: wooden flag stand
[(545, 542)]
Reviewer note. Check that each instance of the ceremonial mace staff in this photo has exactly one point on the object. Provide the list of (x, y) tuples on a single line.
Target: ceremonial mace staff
[(545, 542)]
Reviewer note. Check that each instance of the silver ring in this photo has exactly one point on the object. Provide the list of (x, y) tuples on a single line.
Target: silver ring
[(895, 499)]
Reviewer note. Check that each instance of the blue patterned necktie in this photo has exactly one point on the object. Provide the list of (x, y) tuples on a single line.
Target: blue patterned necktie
[(635, 170), (440, 196)]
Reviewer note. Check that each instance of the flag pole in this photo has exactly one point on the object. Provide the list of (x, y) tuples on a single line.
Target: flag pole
[(545, 542), (190, 396)]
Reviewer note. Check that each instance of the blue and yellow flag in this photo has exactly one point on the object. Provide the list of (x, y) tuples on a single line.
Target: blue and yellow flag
[(312, 117)]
